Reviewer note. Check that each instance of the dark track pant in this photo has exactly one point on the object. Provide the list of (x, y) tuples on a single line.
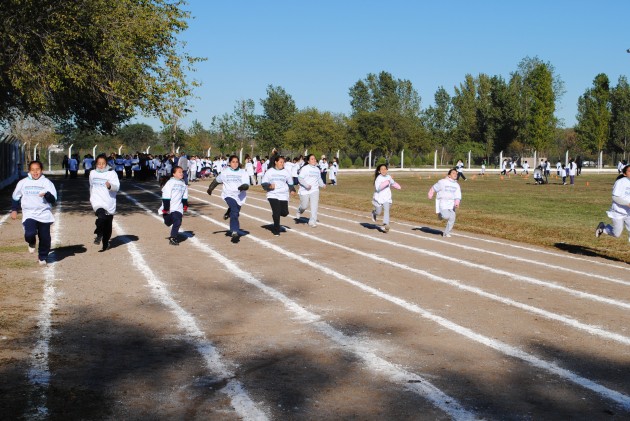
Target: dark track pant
[(235, 210), (34, 229), (104, 225), (173, 220), (278, 208)]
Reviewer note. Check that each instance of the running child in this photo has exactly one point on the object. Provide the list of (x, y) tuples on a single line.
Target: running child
[(619, 212), (278, 182), (310, 179), (35, 194), (174, 203), (449, 194), (235, 185), (104, 184), (382, 198)]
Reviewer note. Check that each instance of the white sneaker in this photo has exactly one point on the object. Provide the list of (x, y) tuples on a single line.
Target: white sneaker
[(600, 229), (31, 248), (42, 263), (312, 225), (445, 234), (298, 214), (386, 228)]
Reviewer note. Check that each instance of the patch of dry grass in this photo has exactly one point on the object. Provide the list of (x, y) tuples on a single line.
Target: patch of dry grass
[(513, 208)]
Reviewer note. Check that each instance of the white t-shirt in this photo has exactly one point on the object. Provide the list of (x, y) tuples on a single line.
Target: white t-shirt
[(100, 196), (621, 189), (175, 190), (448, 191), (33, 205), (383, 195), (310, 176), (231, 180), (282, 180)]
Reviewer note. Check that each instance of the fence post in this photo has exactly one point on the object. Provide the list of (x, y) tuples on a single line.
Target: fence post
[(469, 153), (94, 151), (435, 160), (402, 159), (370, 160)]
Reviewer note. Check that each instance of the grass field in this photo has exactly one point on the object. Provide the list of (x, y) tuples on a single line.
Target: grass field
[(515, 208)]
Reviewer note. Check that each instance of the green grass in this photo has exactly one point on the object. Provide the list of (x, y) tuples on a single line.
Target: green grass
[(552, 215)]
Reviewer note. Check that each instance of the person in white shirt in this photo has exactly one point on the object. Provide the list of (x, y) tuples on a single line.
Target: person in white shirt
[(525, 168), (382, 197), (619, 212), (249, 169), (104, 184), (35, 194), (174, 203), (310, 180), (334, 168), (235, 185), (323, 167), (277, 182), (449, 195), (572, 171)]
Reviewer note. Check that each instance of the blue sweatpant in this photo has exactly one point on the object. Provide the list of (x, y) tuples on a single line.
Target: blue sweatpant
[(41, 230), (235, 210), (173, 220)]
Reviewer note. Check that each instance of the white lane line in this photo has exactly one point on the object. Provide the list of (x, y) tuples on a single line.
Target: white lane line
[(503, 255), (576, 324), (622, 400), (514, 276), (501, 243), (240, 400), (39, 371), (395, 374), (4, 218)]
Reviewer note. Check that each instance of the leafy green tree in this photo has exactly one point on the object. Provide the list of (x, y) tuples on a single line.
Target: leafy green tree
[(136, 137), (199, 139), (438, 119), (278, 112), (315, 130), (593, 118), (94, 63), (541, 120), (620, 115)]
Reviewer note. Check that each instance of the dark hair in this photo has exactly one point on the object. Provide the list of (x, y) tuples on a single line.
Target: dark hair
[(41, 166), (232, 157), (378, 170), (620, 176), (101, 156), (451, 170)]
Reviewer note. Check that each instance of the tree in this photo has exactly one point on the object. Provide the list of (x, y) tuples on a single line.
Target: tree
[(136, 137), (620, 115), (245, 120), (593, 118), (438, 119), (315, 130), (199, 139), (278, 112), (32, 131), (385, 114), (541, 121), (93, 63)]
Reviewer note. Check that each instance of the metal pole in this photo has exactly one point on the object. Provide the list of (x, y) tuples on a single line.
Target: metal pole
[(337, 153), (148, 147), (469, 153), (35, 152), (120, 149), (240, 155), (370, 160), (70, 151), (94, 151), (435, 160), (49, 161), (402, 159), (566, 158)]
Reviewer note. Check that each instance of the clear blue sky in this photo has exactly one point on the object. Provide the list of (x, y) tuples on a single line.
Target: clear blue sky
[(317, 50)]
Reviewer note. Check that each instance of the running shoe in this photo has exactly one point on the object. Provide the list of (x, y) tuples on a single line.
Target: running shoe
[(275, 232), (446, 235), (600, 229), (98, 239), (298, 214), (312, 224), (43, 263), (226, 215), (31, 247), (173, 241), (386, 228)]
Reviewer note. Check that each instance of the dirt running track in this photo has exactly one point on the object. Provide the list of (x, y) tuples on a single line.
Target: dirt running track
[(340, 321)]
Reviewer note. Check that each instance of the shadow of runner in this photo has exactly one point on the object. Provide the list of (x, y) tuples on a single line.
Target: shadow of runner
[(428, 230), (61, 253), (584, 251), (121, 240)]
